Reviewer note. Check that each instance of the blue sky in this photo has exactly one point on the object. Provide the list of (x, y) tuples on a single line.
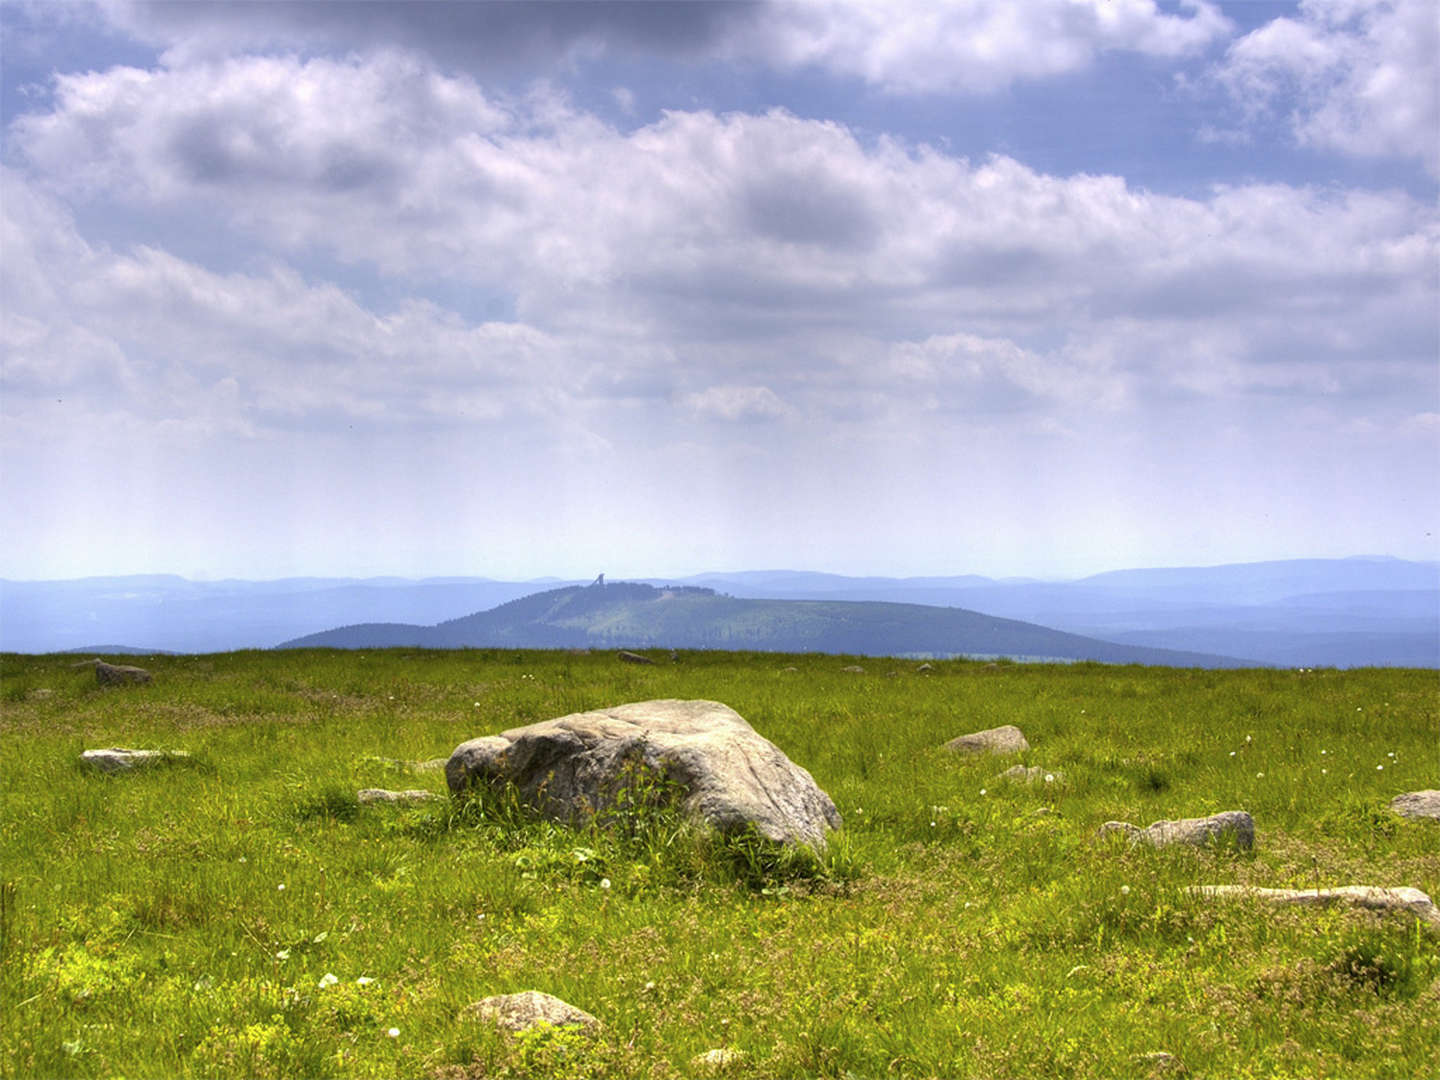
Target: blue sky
[(526, 289)]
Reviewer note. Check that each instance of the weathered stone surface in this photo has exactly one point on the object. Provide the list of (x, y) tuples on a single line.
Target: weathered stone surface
[(1033, 774), (119, 759), (633, 657), (365, 796), (1373, 898), (718, 1059), (729, 775), (1007, 739), (1231, 825), (1417, 804), (925, 667), (853, 669), (119, 674), (517, 1012)]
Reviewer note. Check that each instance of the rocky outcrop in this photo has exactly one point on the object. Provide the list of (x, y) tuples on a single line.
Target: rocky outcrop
[(1234, 826), (1007, 739), (1371, 897), (1417, 804), (115, 759), (725, 773), (518, 1012)]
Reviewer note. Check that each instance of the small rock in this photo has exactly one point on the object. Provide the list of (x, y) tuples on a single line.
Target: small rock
[(1158, 1059), (717, 1059), (854, 669), (1417, 804), (791, 667), (119, 674), (1197, 832), (1007, 739), (1033, 774), (925, 667), (518, 1012), (119, 759), (365, 796), (40, 694), (1403, 899), (633, 657)]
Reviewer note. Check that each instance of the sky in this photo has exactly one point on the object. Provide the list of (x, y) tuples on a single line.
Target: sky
[(902, 288)]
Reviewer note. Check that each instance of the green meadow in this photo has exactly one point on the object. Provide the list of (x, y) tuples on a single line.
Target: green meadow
[(239, 914)]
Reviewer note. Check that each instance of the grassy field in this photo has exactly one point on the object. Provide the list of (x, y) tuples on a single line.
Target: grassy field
[(240, 915)]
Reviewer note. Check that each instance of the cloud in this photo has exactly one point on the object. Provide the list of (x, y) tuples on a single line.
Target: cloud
[(697, 224), (738, 403), (494, 35), (975, 46), (896, 46), (1358, 76)]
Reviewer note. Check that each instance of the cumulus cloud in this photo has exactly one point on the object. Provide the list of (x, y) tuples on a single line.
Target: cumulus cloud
[(970, 46), (1358, 76), (737, 403), (896, 46)]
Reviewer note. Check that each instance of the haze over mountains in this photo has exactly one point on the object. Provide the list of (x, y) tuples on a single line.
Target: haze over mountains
[(1319, 612)]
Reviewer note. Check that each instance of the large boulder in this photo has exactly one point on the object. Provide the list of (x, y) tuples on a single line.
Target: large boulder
[(1007, 739), (1231, 825), (1417, 804), (119, 674), (728, 775)]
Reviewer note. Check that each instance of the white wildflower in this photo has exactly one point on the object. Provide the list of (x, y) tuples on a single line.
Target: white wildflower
[(328, 979)]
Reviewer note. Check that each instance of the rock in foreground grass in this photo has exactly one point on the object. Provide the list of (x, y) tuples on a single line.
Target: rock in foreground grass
[(727, 774)]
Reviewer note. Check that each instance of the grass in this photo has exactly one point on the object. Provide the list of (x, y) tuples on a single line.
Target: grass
[(180, 921)]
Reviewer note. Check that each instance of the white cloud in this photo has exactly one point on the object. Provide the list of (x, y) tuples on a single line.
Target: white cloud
[(784, 253), (1358, 76), (969, 46), (738, 403)]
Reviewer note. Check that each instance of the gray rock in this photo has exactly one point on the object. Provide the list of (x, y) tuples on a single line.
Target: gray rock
[(518, 1012), (1417, 804), (925, 667), (854, 669), (1033, 774), (633, 657), (717, 1059), (1234, 825), (41, 694), (1008, 739), (729, 776), (119, 674), (120, 759), (1371, 897), (365, 796)]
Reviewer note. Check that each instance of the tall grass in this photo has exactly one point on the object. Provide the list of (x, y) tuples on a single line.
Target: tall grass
[(180, 921)]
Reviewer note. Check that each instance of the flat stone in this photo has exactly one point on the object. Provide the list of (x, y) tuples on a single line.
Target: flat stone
[(1007, 739), (1236, 825), (365, 796), (528, 1008), (1032, 774), (633, 657), (727, 775), (1417, 804), (925, 667), (1370, 897), (120, 759), (853, 669)]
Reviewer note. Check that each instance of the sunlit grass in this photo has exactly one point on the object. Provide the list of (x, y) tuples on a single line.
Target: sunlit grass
[(242, 915)]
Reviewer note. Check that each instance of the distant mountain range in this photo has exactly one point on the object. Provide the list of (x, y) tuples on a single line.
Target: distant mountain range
[(1311, 612), (631, 615)]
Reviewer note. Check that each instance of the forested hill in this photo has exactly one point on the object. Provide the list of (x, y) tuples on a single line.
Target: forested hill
[(629, 615)]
